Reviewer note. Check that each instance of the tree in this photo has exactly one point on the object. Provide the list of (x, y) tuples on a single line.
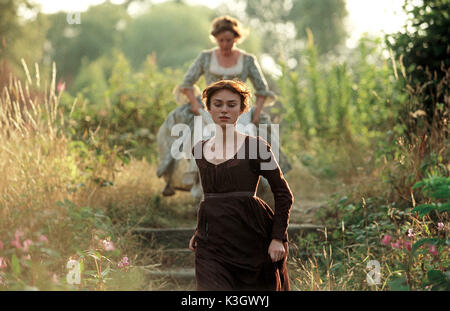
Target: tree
[(325, 18), (174, 32), (20, 37), (99, 31), (283, 24), (425, 52)]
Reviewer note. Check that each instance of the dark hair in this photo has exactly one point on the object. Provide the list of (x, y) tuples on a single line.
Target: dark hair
[(234, 86), (227, 23)]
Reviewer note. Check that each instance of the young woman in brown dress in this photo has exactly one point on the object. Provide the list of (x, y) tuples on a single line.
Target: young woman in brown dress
[(240, 243)]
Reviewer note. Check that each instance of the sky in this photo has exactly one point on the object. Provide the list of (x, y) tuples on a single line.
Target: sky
[(372, 16)]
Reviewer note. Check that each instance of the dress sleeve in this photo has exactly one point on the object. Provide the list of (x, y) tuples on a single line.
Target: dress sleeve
[(194, 73), (268, 167), (259, 82)]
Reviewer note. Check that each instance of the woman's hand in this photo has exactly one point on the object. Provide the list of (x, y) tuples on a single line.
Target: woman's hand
[(195, 105), (255, 120), (193, 243), (258, 108), (195, 111), (276, 250)]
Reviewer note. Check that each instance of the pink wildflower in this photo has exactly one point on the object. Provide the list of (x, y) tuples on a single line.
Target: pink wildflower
[(386, 239), (432, 250), (411, 233), (123, 262), (61, 86), (2, 263), (397, 244), (108, 245), (408, 245), (18, 234), (26, 244), (440, 226), (16, 243), (43, 238)]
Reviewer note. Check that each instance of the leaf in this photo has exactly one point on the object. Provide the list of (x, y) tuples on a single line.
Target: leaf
[(418, 185), (424, 209), (444, 208), (398, 284), (439, 280), (421, 242), (15, 265), (343, 199), (436, 276)]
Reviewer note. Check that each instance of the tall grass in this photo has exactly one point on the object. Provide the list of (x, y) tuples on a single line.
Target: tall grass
[(59, 200), (337, 110), (375, 122)]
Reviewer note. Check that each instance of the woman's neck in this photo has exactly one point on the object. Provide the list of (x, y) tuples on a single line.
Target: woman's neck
[(227, 53), (226, 134)]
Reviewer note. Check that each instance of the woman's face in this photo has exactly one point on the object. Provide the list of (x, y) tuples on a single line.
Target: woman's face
[(226, 40), (225, 107)]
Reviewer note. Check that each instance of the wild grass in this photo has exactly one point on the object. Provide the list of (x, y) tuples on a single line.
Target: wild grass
[(60, 198)]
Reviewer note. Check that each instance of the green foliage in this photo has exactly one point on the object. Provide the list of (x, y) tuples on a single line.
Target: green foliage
[(325, 19), (346, 106), (100, 30), (91, 83), (283, 24), (175, 33), (423, 49), (128, 108), (18, 34), (435, 187), (424, 40)]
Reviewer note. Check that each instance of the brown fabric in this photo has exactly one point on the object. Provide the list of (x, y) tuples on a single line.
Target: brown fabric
[(234, 232)]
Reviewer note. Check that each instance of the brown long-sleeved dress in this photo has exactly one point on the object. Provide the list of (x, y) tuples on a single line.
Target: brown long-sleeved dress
[(235, 227)]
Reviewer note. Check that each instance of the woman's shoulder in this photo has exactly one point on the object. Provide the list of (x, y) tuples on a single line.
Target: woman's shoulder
[(207, 52), (204, 55), (247, 55), (256, 138)]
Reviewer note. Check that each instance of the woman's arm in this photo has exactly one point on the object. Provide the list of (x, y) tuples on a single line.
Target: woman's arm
[(262, 92), (267, 166), (258, 108), (195, 105), (191, 77)]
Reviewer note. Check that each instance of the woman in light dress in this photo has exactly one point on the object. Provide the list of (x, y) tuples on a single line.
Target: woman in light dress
[(225, 62)]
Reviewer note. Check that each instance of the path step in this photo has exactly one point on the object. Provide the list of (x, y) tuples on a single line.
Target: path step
[(179, 237), (175, 257), (175, 269), (179, 273), (173, 279)]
